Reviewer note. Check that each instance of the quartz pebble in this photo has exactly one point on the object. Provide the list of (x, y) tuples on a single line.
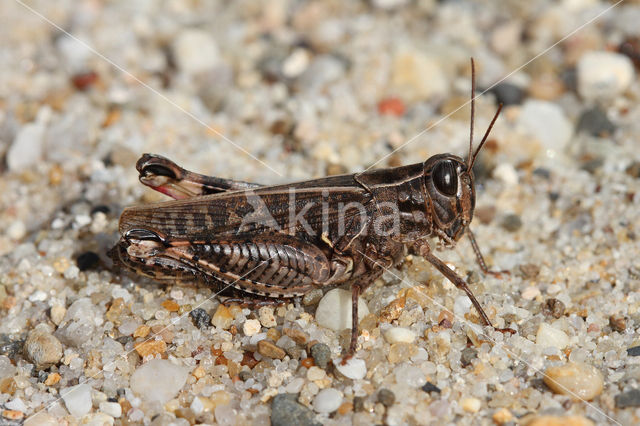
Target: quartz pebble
[(471, 405), (557, 129), (575, 379), (549, 336), (251, 327), (195, 51), (158, 380), (222, 318), (399, 334), (327, 400), (559, 421), (267, 319), (77, 399), (111, 408), (315, 373), (354, 368), (42, 348), (603, 75), (334, 310), (267, 348), (26, 148)]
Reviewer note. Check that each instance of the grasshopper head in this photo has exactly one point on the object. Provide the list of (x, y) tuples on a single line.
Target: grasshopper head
[(451, 194)]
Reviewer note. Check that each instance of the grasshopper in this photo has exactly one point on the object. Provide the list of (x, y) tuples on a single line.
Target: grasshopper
[(279, 242)]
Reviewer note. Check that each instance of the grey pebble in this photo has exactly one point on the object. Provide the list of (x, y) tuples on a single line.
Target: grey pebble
[(467, 355), (285, 411), (508, 94), (553, 307), (633, 351), (511, 222), (200, 318), (595, 122), (633, 169), (628, 399), (321, 354), (386, 397), (430, 387)]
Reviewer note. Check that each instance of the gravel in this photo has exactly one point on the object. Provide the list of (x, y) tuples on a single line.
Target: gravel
[(309, 88)]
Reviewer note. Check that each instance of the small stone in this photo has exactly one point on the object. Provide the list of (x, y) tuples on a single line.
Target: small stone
[(267, 319), (633, 351), (195, 51), (286, 411), (467, 356), (315, 373), (557, 130), (410, 375), (506, 173), (399, 335), (560, 421), (87, 260), (391, 106), (299, 336), (334, 310), (508, 94), (111, 408), (595, 122), (41, 418), (57, 314), (321, 354), (354, 368), (617, 323), (77, 399), (222, 318), (549, 336), (27, 147), (529, 270), (629, 398), (142, 331), (345, 408), (401, 351), (511, 222), (170, 305), (268, 349), (546, 86), (296, 63), (151, 347), (312, 297), (430, 387), (42, 348), (553, 307), (386, 397), (327, 400), (471, 405), (393, 310), (52, 379), (158, 380), (502, 416), (200, 318), (603, 75), (12, 414), (16, 230), (577, 380), (251, 327), (416, 76), (530, 293)]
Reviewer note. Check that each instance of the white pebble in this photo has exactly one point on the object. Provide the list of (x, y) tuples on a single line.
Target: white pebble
[(158, 380), (77, 399), (16, 404), (267, 319), (471, 405), (111, 408), (461, 305), (546, 122), (251, 327), (399, 334), (603, 75), (354, 368), (327, 401), (506, 173), (296, 63), (295, 385), (17, 230), (550, 336), (410, 375), (195, 51), (316, 373), (334, 310), (530, 293), (26, 148)]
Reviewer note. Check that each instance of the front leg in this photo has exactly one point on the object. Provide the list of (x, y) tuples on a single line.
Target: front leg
[(480, 258), (425, 251)]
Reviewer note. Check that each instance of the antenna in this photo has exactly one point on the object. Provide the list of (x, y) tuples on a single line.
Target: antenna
[(472, 157)]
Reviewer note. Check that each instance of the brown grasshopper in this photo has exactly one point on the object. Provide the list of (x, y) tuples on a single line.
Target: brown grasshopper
[(282, 241)]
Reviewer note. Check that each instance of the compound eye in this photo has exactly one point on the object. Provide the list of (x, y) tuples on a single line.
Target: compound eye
[(445, 177)]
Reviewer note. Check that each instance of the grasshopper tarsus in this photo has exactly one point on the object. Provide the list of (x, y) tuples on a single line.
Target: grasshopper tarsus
[(480, 258), (279, 242)]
